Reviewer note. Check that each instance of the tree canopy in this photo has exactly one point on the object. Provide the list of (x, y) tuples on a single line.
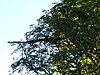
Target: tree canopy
[(66, 41)]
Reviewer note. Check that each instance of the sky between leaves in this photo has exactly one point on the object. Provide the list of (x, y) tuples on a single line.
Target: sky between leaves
[(15, 18)]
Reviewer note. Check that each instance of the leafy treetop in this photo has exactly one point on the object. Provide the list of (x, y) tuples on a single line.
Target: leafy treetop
[(66, 41)]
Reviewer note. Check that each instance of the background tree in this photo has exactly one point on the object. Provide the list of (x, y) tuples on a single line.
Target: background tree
[(66, 41)]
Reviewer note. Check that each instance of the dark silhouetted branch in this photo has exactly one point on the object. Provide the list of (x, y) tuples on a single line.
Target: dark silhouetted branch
[(39, 40), (54, 39)]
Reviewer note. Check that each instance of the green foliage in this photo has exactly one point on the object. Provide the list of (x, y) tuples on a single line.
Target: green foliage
[(68, 41)]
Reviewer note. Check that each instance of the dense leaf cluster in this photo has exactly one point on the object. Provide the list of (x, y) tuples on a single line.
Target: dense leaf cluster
[(66, 41)]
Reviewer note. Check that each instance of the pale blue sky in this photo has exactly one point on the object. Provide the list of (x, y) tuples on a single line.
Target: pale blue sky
[(15, 18)]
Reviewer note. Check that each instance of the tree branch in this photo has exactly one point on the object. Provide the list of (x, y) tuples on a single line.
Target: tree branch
[(53, 39), (39, 40)]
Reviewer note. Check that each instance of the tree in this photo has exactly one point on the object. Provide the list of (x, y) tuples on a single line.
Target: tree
[(66, 41)]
